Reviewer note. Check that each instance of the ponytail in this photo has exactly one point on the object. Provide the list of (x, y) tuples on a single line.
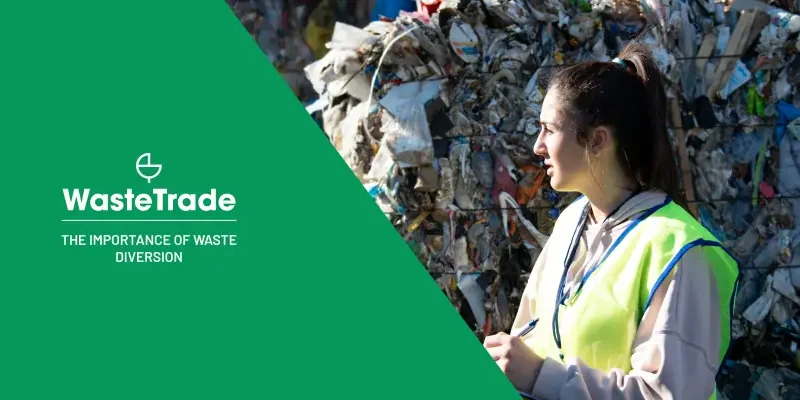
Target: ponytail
[(661, 171)]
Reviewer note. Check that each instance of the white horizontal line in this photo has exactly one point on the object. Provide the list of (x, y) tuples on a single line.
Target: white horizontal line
[(148, 220)]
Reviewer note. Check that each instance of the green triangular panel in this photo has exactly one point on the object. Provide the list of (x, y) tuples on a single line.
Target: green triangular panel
[(318, 298)]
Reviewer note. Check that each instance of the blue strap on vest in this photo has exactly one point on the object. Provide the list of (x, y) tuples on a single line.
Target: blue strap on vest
[(732, 302)]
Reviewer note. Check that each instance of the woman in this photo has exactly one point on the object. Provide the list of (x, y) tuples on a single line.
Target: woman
[(631, 296)]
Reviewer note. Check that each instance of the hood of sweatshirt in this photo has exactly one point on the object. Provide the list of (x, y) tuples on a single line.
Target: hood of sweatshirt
[(631, 209), (598, 238)]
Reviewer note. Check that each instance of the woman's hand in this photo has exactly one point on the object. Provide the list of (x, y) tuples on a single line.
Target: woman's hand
[(518, 361)]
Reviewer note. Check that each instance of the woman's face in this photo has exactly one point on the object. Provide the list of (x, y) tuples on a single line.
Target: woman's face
[(564, 157)]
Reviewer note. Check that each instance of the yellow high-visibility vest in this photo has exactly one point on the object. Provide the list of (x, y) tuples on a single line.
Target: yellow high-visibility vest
[(598, 322)]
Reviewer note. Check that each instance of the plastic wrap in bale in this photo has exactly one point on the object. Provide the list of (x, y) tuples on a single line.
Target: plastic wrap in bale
[(713, 172), (408, 136), (352, 141), (744, 147), (509, 12), (481, 162), (447, 185), (760, 309), (382, 164), (466, 182)]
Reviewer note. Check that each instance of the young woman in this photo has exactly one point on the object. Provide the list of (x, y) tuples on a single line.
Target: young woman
[(631, 297)]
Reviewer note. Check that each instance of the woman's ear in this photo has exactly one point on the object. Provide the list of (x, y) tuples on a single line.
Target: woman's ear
[(599, 140)]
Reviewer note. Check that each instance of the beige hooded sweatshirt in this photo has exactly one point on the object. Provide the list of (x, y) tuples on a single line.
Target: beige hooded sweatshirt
[(676, 353)]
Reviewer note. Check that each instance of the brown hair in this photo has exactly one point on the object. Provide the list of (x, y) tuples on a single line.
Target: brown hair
[(630, 99)]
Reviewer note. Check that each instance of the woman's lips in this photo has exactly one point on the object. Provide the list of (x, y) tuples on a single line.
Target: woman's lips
[(549, 168)]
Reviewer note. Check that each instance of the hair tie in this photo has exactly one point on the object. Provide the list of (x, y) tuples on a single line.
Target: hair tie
[(626, 65)]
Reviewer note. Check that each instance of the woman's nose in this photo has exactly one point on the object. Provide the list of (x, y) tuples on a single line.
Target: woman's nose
[(539, 148)]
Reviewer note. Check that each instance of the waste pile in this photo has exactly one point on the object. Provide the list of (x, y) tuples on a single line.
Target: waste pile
[(436, 112), (739, 119)]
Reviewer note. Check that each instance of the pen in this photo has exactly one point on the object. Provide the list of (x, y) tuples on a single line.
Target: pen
[(528, 328)]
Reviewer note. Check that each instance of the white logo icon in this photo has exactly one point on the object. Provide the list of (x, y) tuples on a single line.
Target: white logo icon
[(141, 167)]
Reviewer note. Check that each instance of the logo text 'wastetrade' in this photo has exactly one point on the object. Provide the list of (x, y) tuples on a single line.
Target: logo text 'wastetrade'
[(158, 199)]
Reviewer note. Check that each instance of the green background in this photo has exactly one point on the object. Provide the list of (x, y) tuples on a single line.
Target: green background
[(320, 297)]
